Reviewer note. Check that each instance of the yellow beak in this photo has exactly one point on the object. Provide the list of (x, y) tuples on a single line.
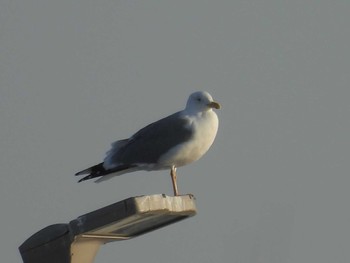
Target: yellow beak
[(214, 104)]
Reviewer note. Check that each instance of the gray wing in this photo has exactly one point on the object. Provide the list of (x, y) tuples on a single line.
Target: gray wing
[(149, 143)]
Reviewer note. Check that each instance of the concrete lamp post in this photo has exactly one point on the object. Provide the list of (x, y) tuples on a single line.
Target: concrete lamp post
[(79, 240)]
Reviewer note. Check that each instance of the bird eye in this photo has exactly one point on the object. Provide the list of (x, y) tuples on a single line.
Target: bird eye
[(199, 99)]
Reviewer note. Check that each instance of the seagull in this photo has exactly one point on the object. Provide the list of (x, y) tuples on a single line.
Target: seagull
[(169, 143)]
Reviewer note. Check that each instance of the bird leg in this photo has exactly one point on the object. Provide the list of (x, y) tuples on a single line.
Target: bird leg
[(173, 179)]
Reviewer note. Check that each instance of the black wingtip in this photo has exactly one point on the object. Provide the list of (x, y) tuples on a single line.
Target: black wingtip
[(85, 178), (92, 172), (90, 176), (86, 171), (98, 171)]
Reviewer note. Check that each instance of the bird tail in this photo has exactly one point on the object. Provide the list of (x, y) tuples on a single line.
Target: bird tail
[(98, 170)]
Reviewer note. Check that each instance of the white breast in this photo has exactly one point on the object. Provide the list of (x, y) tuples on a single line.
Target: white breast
[(205, 127)]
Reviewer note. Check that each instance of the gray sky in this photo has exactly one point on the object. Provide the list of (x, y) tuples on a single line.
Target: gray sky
[(274, 188)]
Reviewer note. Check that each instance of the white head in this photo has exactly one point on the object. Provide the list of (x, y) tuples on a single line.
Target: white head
[(201, 101)]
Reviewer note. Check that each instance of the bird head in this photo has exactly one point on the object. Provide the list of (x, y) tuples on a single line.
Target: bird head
[(201, 101)]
